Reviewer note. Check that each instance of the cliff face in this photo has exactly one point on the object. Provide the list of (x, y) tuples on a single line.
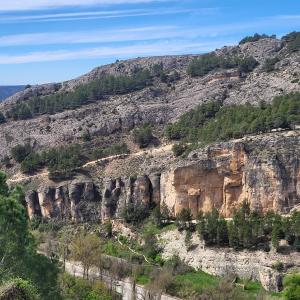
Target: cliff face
[(223, 178), (264, 170)]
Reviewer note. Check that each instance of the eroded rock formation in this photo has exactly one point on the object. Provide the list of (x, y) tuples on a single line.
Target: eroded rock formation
[(263, 170), (266, 173)]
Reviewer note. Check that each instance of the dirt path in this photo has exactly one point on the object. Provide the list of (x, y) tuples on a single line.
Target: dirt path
[(153, 151), (19, 177)]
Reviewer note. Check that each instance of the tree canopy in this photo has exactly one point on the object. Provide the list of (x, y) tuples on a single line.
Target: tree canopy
[(18, 255)]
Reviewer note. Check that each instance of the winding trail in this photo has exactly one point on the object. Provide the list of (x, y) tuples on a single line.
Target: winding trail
[(19, 177)]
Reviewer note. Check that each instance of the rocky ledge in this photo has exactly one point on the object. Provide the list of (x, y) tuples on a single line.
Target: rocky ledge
[(264, 170)]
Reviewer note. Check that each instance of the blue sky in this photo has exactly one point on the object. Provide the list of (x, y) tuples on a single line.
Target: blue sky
[(55, 40)]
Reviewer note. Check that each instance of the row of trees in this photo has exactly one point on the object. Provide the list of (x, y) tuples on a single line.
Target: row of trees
[(83, 94), (292, 39), (209, 62), (249, 229), (213, 122)]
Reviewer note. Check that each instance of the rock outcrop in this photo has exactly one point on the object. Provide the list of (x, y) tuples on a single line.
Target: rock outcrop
[(77, 201), (263, 170)]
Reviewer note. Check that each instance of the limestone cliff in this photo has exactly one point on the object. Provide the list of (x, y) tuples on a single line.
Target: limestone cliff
[(264, 170)]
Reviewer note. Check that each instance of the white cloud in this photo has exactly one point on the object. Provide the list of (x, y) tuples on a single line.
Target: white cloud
[(104, 36), (89, 15), (142, 49), (96, 36), (22, 5)]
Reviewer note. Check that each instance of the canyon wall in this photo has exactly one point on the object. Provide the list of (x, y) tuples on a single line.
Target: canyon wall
[(264, 170)]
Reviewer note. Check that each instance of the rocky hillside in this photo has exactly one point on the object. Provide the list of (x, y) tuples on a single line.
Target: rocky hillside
[(103, 108), (159, 103), (8, 91)]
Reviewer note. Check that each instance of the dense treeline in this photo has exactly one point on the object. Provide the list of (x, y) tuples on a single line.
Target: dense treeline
[(213, 122), (256, 37), (208, 62), (249, 229)]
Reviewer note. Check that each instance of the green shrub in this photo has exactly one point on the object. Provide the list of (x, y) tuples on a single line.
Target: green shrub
[(20, 152), (143, 136), (270, 63), (293, 41), (291, 285), (278, 265), (178, 149), (18, 289)]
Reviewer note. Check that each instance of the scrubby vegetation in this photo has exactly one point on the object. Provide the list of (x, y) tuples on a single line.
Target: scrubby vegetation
[(209, 62), (81, 289), (61, 161), (107, 85), (270, 63), (292, 286), (143, 136), (114, 149), (213, 122), (256, 37), (293, 40)]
